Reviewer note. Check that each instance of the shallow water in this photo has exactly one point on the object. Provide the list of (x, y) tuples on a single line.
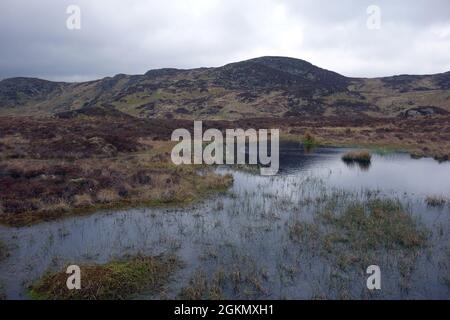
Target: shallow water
[(245, 232)]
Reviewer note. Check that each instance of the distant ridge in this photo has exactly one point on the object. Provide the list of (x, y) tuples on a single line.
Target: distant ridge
[(261, 87)]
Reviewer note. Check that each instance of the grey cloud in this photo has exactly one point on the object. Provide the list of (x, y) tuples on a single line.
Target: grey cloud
[(134, 36)]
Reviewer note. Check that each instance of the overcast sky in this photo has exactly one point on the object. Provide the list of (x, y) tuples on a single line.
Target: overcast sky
[(134, 36)]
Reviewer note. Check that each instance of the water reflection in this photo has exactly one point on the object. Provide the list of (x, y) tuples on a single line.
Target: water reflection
[(364, 165)]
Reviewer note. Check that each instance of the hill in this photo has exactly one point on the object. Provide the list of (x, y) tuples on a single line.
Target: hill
[(277, 87)]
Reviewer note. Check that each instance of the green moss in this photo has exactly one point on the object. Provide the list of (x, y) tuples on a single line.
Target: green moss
[(112, 281)]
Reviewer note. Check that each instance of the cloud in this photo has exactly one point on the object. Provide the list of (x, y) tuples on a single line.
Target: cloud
[(135, 36)]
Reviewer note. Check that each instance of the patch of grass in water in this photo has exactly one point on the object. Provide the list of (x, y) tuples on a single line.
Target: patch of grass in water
[(436, 201), (115, 280), (377, 223), (351, 235), (3, 251), (357, 156), (309, 141), (244, 279), (361, 228)]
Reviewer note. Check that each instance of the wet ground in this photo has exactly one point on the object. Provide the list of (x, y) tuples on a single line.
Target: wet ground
[(241, 245)]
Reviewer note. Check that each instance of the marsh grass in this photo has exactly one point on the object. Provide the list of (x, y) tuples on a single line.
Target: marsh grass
[(309, 140), (377, 223), (4, 253), (357, 156), (354, 232), (116, 280), (242, 279), (436, 201), (224, 284)]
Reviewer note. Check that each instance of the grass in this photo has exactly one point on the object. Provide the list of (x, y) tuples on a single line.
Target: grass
[(309, 140), (379, 223), (39, 190), (357, 156), (351, 234), (3, 251), (421, 137), (194, 188), (116, 280), (436, 201), (239, 281), (361, 228)]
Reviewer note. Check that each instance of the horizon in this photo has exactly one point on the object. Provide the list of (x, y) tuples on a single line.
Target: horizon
[(215, 67)]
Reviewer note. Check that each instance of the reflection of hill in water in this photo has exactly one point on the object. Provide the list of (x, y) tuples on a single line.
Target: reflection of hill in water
[(295, 157)]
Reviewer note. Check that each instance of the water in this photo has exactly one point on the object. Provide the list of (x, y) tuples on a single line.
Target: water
[(242, 237)]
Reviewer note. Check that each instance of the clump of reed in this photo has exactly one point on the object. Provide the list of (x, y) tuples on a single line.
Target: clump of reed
[(309, 140), (436, 201), (362, 156)]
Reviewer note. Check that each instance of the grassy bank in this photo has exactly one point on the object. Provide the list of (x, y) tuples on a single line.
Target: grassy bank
[(45, 189), (419, 137), (116, 280)]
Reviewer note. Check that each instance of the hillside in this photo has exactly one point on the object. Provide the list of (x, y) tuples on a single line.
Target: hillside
[(262, 87)]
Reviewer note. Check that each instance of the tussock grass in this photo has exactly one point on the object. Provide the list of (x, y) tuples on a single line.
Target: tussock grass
[(357, 156), (436, 201), (116, 280)]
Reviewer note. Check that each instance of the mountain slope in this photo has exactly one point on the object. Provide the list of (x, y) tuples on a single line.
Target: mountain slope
[(260, 87)]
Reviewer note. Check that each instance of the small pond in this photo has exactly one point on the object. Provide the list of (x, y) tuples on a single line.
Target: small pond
[(243, 241)]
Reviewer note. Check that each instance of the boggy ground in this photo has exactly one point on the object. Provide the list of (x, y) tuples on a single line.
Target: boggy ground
[(421, 137), (51, 167), (317, 240)]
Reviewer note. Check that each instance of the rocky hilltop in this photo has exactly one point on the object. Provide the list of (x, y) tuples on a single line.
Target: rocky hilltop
[(276, 87)]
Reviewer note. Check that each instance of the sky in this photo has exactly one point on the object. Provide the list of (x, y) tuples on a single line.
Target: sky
[(353, 37)]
